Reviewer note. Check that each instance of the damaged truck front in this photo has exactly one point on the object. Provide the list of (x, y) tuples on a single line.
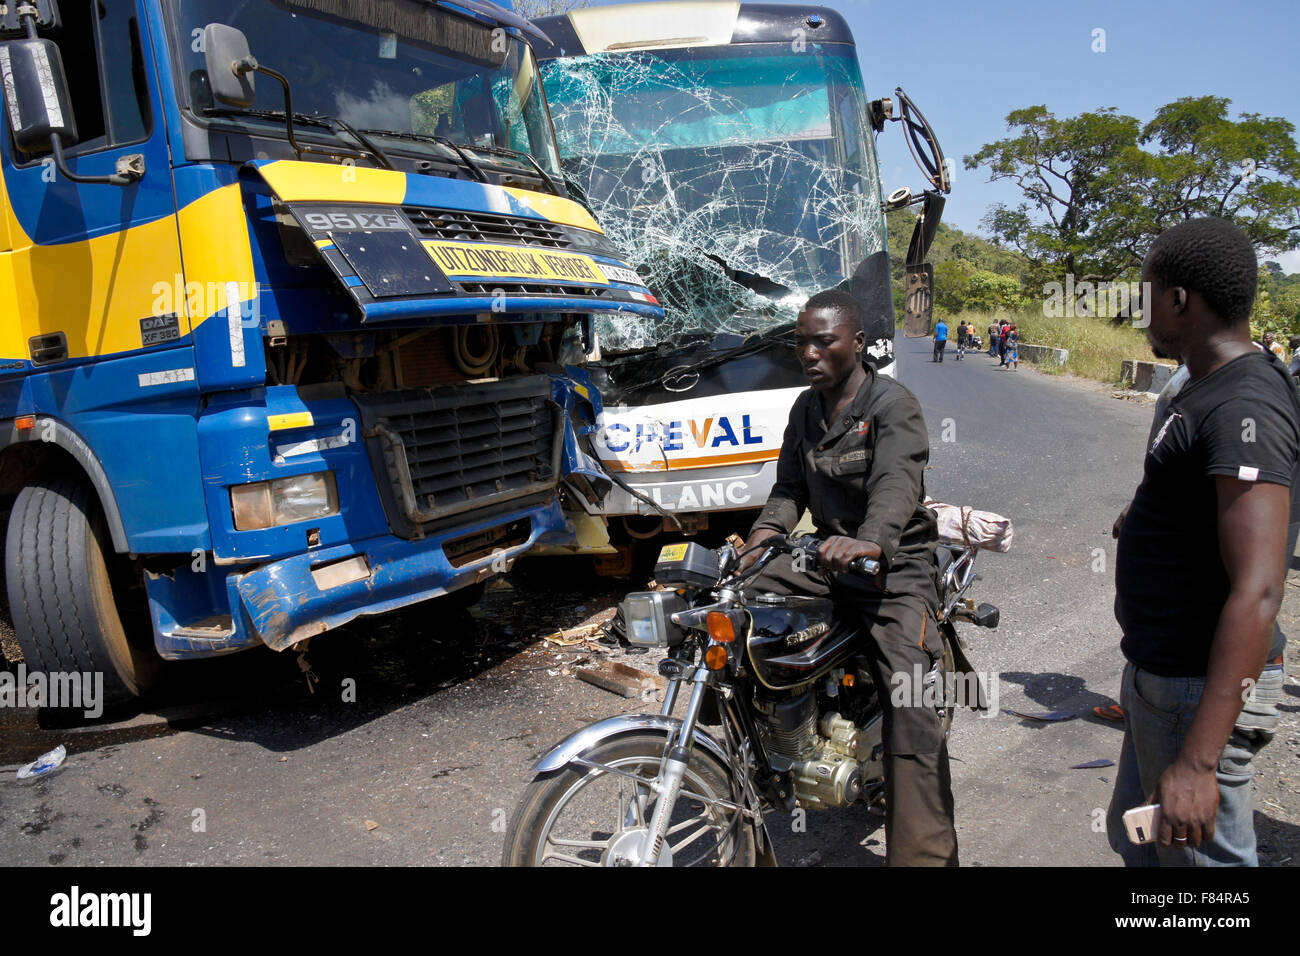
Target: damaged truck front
[(729, 148), (295, 312)]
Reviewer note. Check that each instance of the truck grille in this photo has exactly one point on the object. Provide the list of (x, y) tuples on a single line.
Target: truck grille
[(533, 288), (446, 451), (485, 227)]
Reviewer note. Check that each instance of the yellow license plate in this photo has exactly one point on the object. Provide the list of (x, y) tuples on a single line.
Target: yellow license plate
[(672, 552), (492, 261)]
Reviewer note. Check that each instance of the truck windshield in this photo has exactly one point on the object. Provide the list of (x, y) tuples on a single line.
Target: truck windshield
[(741, 179), (442, 76)]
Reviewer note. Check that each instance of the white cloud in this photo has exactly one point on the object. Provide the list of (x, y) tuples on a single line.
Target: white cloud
[(381, 109), (1289, 261)]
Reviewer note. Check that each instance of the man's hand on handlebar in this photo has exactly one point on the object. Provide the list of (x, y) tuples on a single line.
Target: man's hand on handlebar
[(839, 552), (754, 552)]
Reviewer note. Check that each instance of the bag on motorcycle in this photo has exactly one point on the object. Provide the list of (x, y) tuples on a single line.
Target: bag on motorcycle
[(961, 526)]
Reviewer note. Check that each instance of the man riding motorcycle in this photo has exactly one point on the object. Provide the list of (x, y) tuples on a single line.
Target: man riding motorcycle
[(854, 453)]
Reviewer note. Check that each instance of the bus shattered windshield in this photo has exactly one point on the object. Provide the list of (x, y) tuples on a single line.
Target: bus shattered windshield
[(741, 181)]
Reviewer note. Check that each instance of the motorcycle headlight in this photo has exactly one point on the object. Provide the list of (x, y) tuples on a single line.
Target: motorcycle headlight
[(647, 618)]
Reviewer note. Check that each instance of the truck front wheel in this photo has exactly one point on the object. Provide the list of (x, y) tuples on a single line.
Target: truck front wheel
[(59, 567)]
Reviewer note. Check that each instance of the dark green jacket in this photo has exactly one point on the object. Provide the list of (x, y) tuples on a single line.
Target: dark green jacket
[(862, 477)]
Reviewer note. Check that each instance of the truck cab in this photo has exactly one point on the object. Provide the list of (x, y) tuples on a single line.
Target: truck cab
[(296, 313)]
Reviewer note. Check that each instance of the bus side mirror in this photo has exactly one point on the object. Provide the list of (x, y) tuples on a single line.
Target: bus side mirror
[(918, 305), (230, 65), (36, 94)]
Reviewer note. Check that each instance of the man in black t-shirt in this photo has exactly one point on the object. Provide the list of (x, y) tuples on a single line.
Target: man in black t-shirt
[(1202, 558)]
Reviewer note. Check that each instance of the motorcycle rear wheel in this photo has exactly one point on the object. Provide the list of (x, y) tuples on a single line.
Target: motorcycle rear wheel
[(597, 828)]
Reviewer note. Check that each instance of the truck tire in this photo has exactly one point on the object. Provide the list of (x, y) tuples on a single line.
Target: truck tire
[(58, 569)]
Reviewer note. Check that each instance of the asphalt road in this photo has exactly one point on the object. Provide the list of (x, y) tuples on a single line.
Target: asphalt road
[(450, 708)]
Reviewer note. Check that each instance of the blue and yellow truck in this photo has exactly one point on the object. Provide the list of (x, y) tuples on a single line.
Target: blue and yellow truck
[(294, 308)]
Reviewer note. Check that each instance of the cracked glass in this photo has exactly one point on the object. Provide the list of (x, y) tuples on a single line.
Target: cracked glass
[(740, 180)]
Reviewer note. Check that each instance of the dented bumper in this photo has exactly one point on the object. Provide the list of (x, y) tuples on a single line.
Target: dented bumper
[(296, 598)]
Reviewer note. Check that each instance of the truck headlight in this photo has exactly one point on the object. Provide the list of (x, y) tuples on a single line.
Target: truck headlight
[(268, 504)]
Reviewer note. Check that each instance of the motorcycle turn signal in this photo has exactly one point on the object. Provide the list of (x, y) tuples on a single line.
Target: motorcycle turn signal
[(725, 625)]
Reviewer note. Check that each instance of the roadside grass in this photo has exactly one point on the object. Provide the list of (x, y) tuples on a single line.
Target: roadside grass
[(1096, 347)]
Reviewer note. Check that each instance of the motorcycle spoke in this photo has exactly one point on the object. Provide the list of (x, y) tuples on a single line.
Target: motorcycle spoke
[(580, 844), (564, 858), (706, 827), (679, 827)]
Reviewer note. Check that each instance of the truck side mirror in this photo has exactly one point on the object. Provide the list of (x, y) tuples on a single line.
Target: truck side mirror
[(230, 65), (36, 94)]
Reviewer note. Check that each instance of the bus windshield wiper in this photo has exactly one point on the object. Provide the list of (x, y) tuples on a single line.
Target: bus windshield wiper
[(780, 335), (318, 120), (466, 159)]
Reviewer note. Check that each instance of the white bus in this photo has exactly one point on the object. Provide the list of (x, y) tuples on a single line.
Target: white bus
[(729, 149)]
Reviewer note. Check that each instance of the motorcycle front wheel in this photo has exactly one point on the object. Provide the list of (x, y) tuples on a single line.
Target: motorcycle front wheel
[(580, 816)]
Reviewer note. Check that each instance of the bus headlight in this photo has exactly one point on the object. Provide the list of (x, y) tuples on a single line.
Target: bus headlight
[(269, 504)]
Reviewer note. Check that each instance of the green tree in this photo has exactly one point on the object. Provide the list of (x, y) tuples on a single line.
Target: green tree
[(951, 282), (1098, 188), (989, 292), (1207, 164), (1067, 170)]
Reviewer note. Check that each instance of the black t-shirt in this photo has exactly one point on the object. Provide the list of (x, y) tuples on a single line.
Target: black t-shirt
[(1241, 420)]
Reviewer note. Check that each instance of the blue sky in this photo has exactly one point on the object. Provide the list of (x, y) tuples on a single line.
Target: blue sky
[(967, 65)]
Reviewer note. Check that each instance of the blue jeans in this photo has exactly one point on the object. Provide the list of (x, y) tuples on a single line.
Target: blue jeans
[(1158, 713)]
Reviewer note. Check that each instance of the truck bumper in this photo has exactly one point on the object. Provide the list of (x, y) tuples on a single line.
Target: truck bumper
[(287, 601), (293, 599)]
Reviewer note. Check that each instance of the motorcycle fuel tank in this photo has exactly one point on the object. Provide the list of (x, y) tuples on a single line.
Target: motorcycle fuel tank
[(795, 640)]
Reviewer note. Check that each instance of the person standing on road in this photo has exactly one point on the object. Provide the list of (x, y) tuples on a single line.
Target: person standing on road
[(1003, 329), (940, 340), (962, 331), (1271, 344), (854, 453), (1013, 347), (1202, 557), (994, 335)]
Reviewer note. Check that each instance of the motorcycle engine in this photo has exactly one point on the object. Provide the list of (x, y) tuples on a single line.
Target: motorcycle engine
[(830, 743)]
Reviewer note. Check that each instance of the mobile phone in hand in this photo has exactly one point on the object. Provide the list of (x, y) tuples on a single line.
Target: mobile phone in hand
[(1143, 823)]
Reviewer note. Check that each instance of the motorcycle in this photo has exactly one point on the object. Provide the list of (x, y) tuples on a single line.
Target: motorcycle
[(783, 678)]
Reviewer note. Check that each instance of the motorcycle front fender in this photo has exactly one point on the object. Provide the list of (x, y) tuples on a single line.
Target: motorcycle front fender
[(583, 740)]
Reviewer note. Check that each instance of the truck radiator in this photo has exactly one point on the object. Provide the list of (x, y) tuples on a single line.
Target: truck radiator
[(444, 452)]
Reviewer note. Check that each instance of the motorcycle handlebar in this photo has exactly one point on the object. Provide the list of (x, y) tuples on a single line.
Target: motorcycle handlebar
[(807, 544)]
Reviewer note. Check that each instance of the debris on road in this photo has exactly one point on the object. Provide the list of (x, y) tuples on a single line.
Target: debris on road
[(1109, 712), (1051, 715), (45, 763), (371, 825), (574, 635), (1093, 765), (622, 679)]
